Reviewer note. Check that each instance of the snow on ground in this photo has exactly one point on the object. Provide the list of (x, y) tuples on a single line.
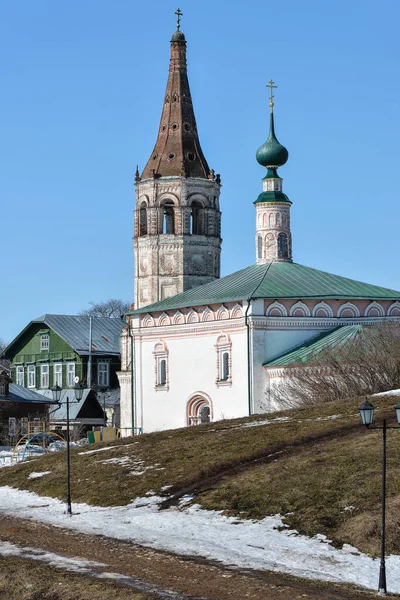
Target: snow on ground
[(265, 544), (35, 475), (389, 393)]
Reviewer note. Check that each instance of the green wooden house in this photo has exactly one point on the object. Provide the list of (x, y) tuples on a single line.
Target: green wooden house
[(57, 349)]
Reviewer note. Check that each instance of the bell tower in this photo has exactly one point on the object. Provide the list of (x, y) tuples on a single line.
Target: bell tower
[(177, 221), (273, 236)]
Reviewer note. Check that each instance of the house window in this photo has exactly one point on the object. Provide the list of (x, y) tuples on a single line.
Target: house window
[(44, 376), (20, 375), (57, 374), (2, 389), (31, 376), (224, 360), (103, 374), (44, 341), (161, 366), (24, 425), (70, 374)]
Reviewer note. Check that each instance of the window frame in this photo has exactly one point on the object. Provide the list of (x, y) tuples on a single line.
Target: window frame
[(56, 380), (161, 355), (100, 373), (43, 374), (44, 337), (20, 370), (69, 371), (31, 371), (223, 347)]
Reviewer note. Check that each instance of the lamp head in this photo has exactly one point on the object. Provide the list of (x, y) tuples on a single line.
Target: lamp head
[(56, 391), (78, 389), (367, 413)]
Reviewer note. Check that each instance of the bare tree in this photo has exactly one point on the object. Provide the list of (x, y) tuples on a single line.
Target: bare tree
[(367, 364), (110, 308), (3, 345)]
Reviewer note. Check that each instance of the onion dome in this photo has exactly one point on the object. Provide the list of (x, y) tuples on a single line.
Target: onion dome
[(272, 154), (178, 36)]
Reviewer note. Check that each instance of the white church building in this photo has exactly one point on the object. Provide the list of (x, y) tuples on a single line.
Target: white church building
[(200, 348)]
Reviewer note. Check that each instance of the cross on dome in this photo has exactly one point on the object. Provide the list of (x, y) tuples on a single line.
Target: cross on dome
[(179, 14), (271, 86)]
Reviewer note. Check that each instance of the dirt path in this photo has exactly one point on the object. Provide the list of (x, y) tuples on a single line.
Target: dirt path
[(160, 573)]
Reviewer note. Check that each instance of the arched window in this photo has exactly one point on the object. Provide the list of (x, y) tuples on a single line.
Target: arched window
[(162, 372), (259, 247), (196, 221), (161, 366), (143, 219), (271, 220), (204, 413), (225, 366), (224, 360), (278, 219), (168, 218), (282, 246)]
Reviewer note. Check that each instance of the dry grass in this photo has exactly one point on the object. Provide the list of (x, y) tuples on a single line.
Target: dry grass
[(22, 579), (310, 470)]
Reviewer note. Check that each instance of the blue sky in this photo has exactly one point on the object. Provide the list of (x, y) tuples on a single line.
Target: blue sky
[(82, 91)]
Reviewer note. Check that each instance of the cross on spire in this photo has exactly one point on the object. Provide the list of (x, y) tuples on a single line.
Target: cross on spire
[(179, 15), (271, 86)]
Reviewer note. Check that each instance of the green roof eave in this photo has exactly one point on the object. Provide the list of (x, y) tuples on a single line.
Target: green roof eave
[(272, 197), (303, 354), (276, 280)]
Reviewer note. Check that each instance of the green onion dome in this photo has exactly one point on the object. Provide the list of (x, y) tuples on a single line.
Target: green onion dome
[(272, 154)]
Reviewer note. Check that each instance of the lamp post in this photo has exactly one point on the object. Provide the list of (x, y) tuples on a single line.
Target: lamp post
[(367, 414), (78, 392)]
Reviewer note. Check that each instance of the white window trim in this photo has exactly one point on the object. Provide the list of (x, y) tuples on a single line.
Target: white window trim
[(42, 372), (103, 363), (20, 370), (161, 353), (31, 371), (46, 347), (223, 345), (72, 383), (55, 382)]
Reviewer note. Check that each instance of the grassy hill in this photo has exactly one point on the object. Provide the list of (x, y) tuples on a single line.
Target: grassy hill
[(317, 467)]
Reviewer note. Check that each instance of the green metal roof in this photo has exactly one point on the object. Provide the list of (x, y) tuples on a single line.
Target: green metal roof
[(332, 340), (274, 280)]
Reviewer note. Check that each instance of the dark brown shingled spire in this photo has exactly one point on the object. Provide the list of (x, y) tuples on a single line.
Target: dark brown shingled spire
[(177, 150)]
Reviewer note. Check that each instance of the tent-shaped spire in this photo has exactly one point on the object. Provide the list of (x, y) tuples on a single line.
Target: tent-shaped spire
[(177, 151)]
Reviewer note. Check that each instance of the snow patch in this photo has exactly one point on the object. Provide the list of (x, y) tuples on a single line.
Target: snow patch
[(189, 530), (34, 475)]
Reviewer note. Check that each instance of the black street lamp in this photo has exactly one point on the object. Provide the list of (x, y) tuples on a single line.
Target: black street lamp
[(367, 413), (78, 391)]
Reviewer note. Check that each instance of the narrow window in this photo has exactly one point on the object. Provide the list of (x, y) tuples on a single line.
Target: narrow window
[(196, 223), (168, 219), (143, 219), (44, 376), (103, 374), (70, 374), (44, 341), (31, 376), (2, 389), (24, 425), (282, 246), (58, 374), (259, 247), (12, 426), (20, 375), (162, 372), (225, 366)]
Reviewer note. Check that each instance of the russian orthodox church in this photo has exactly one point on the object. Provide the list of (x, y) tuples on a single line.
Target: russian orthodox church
[(200, 348)]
